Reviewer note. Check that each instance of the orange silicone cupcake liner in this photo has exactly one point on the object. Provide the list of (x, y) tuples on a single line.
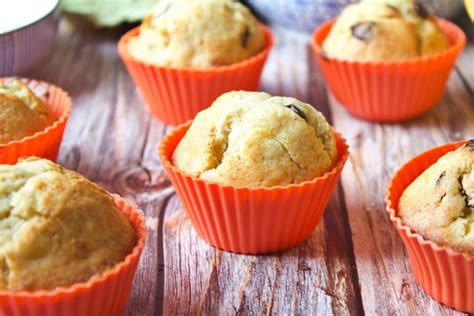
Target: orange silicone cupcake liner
[(105, 294), (251, 220), (389, 91), (45, 143), (444, 273), (175, 96)]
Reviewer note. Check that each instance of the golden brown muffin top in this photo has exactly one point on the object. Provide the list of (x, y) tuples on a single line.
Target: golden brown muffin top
[(439, 204), (252, 139), (385, 30), (197, 34), (22, 113), (56, 227)]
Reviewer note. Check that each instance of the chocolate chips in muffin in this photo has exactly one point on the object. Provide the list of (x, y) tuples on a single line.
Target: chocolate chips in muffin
[(421, 10), (295, 109), (362, 30), (440, 178), (245, 37), (467, 198), (197, 34), (251, 139), (384, 30)]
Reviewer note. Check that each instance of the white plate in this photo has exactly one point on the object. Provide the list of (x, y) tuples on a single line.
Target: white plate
[(16, 14)]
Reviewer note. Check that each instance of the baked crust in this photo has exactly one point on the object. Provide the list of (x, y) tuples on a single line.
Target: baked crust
[(253, 139), (197, 34)]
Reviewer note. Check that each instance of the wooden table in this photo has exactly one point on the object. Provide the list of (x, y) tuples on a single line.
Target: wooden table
[(354, 262)]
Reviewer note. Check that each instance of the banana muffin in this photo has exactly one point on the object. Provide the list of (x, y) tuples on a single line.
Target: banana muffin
[(22, 113), (197, 34), (56, 227), (385, 30), (253, 139), (439, 204)]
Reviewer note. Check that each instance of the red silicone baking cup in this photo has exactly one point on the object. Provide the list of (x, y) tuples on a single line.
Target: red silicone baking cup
[(445, 274), (389, 91), (251, 220), (106, 294), (176, 95), (45, 143)]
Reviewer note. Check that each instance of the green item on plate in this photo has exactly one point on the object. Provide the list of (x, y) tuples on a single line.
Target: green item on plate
[(109, 12)]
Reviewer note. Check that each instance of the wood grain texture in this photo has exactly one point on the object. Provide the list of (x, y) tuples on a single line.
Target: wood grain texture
[(466, 68), (353, 263)]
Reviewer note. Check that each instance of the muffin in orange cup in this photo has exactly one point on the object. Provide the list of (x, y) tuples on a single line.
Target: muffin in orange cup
[(443, 264), (269, 189), (45, 141), (391, 75), (190, 64), (54, 266)]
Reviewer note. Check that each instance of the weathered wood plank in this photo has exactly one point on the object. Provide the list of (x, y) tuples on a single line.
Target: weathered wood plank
[(465, 64), (465, 67), (309, 279), (377, 151)]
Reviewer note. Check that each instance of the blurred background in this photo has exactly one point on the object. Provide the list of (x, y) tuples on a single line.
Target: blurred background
[(27, 36), (301, 15)]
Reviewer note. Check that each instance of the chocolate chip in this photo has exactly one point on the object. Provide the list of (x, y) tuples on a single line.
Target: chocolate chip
[(467, 198), (362, 30), (421, 10), (441, 176), (244, 38), (295, 109), (470, 144)]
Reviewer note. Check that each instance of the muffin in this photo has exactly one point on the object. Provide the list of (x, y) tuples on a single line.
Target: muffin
[(439, 204), (385, 30), (254, 172), (56, 227), (197, 34), (387, 60), (429, 202), (22, 113), (252, 139)]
